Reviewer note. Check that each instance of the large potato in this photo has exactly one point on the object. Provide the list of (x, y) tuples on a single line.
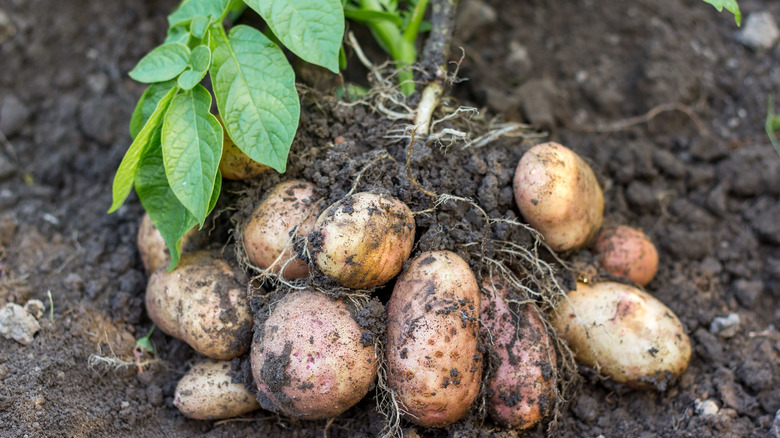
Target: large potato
[(151, 246), (267, 233), (522, 386), (207, 392), (434, 363), (627, 253), (201, 303), (629, 334), (559, 196), (363, 240), (307, 358)]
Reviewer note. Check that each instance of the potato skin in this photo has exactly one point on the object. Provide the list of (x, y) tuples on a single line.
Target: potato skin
[(201, 303), (363, 240), (558, 194), (206, 392), (307, 358), (434, 362), (634, 337), (151, 246), (267, 232), (522, 388), (629, 253)]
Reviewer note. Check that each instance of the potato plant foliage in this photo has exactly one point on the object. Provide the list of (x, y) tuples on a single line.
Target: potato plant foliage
[(177, 142)]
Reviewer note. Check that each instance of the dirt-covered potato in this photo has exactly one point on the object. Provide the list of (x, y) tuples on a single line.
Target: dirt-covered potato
[(308, 360), (558, 194), (235, 164), (267, 232), (207, 392), (151, 246), (363, 240), (629, 334), (629, 253), (522, 384), (201, 303), (434, 363)]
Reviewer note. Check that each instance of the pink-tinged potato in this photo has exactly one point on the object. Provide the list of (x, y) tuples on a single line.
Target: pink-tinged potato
[(151, 246), (522, 387), (267, 232), (207, 392), (235, 164), (558, 195), (308, 360), (201, 303), (434, 363), (629, 253), (363, 240), (629, 334)]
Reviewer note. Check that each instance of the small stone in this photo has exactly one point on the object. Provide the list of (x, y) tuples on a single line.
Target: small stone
[(775, 431), (17, 324), (13, 114), (759, 32), (706, 407), (7, 28), (725, 326), (473, 16), (710, 267), (748, 292), (35, 308), (518, 60), (536, 98), (124, 404)]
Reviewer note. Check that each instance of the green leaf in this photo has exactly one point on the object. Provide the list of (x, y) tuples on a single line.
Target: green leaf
[(145, 343), (730, 5), (123, 180), (198, 26), (163, 63), (190, 9), (366, 16), (178, 34), (255, 89), (312, 29), (216, 192), (772, 125), (191, 149), (147, 104), (199, 65)]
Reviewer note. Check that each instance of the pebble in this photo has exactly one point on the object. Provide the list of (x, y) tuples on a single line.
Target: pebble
[(13, 115), (17, 324), (473, 16), (34, 308), (748, 292), (725, 326), (707, 407), (536, 99), (759, 32), (775, 431)]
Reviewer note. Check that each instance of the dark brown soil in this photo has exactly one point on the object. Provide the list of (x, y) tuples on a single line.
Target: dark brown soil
[(702, 181)]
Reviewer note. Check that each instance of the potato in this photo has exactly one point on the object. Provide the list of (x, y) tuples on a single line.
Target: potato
[(629, 253), (201, 303), (629, 334), (235, 164), (267, 233), (151, 246), (522, 387), (207, 392), (559, 196), (363, 240), (434, 363), (307, 358)]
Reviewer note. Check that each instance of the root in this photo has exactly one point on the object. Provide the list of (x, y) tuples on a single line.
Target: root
[(387, 404), (381, 155), (621, 125)]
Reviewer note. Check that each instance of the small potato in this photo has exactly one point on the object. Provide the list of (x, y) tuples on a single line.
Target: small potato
[(522, 387), (629, 253), (201, 303), (206, 392), (434, 363), (267, 233), (632, 336), (307, 358), (151, 246), (235, 164), (559, 196), (363, 240)]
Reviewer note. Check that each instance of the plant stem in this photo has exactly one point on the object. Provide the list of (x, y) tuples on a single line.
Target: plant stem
[(393, 42), (437, 47), (413, 29)]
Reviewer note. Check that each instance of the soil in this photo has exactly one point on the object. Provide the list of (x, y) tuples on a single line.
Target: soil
[(697, 174)]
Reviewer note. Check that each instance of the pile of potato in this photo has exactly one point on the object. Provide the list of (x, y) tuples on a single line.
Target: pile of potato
[(452, 335)]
